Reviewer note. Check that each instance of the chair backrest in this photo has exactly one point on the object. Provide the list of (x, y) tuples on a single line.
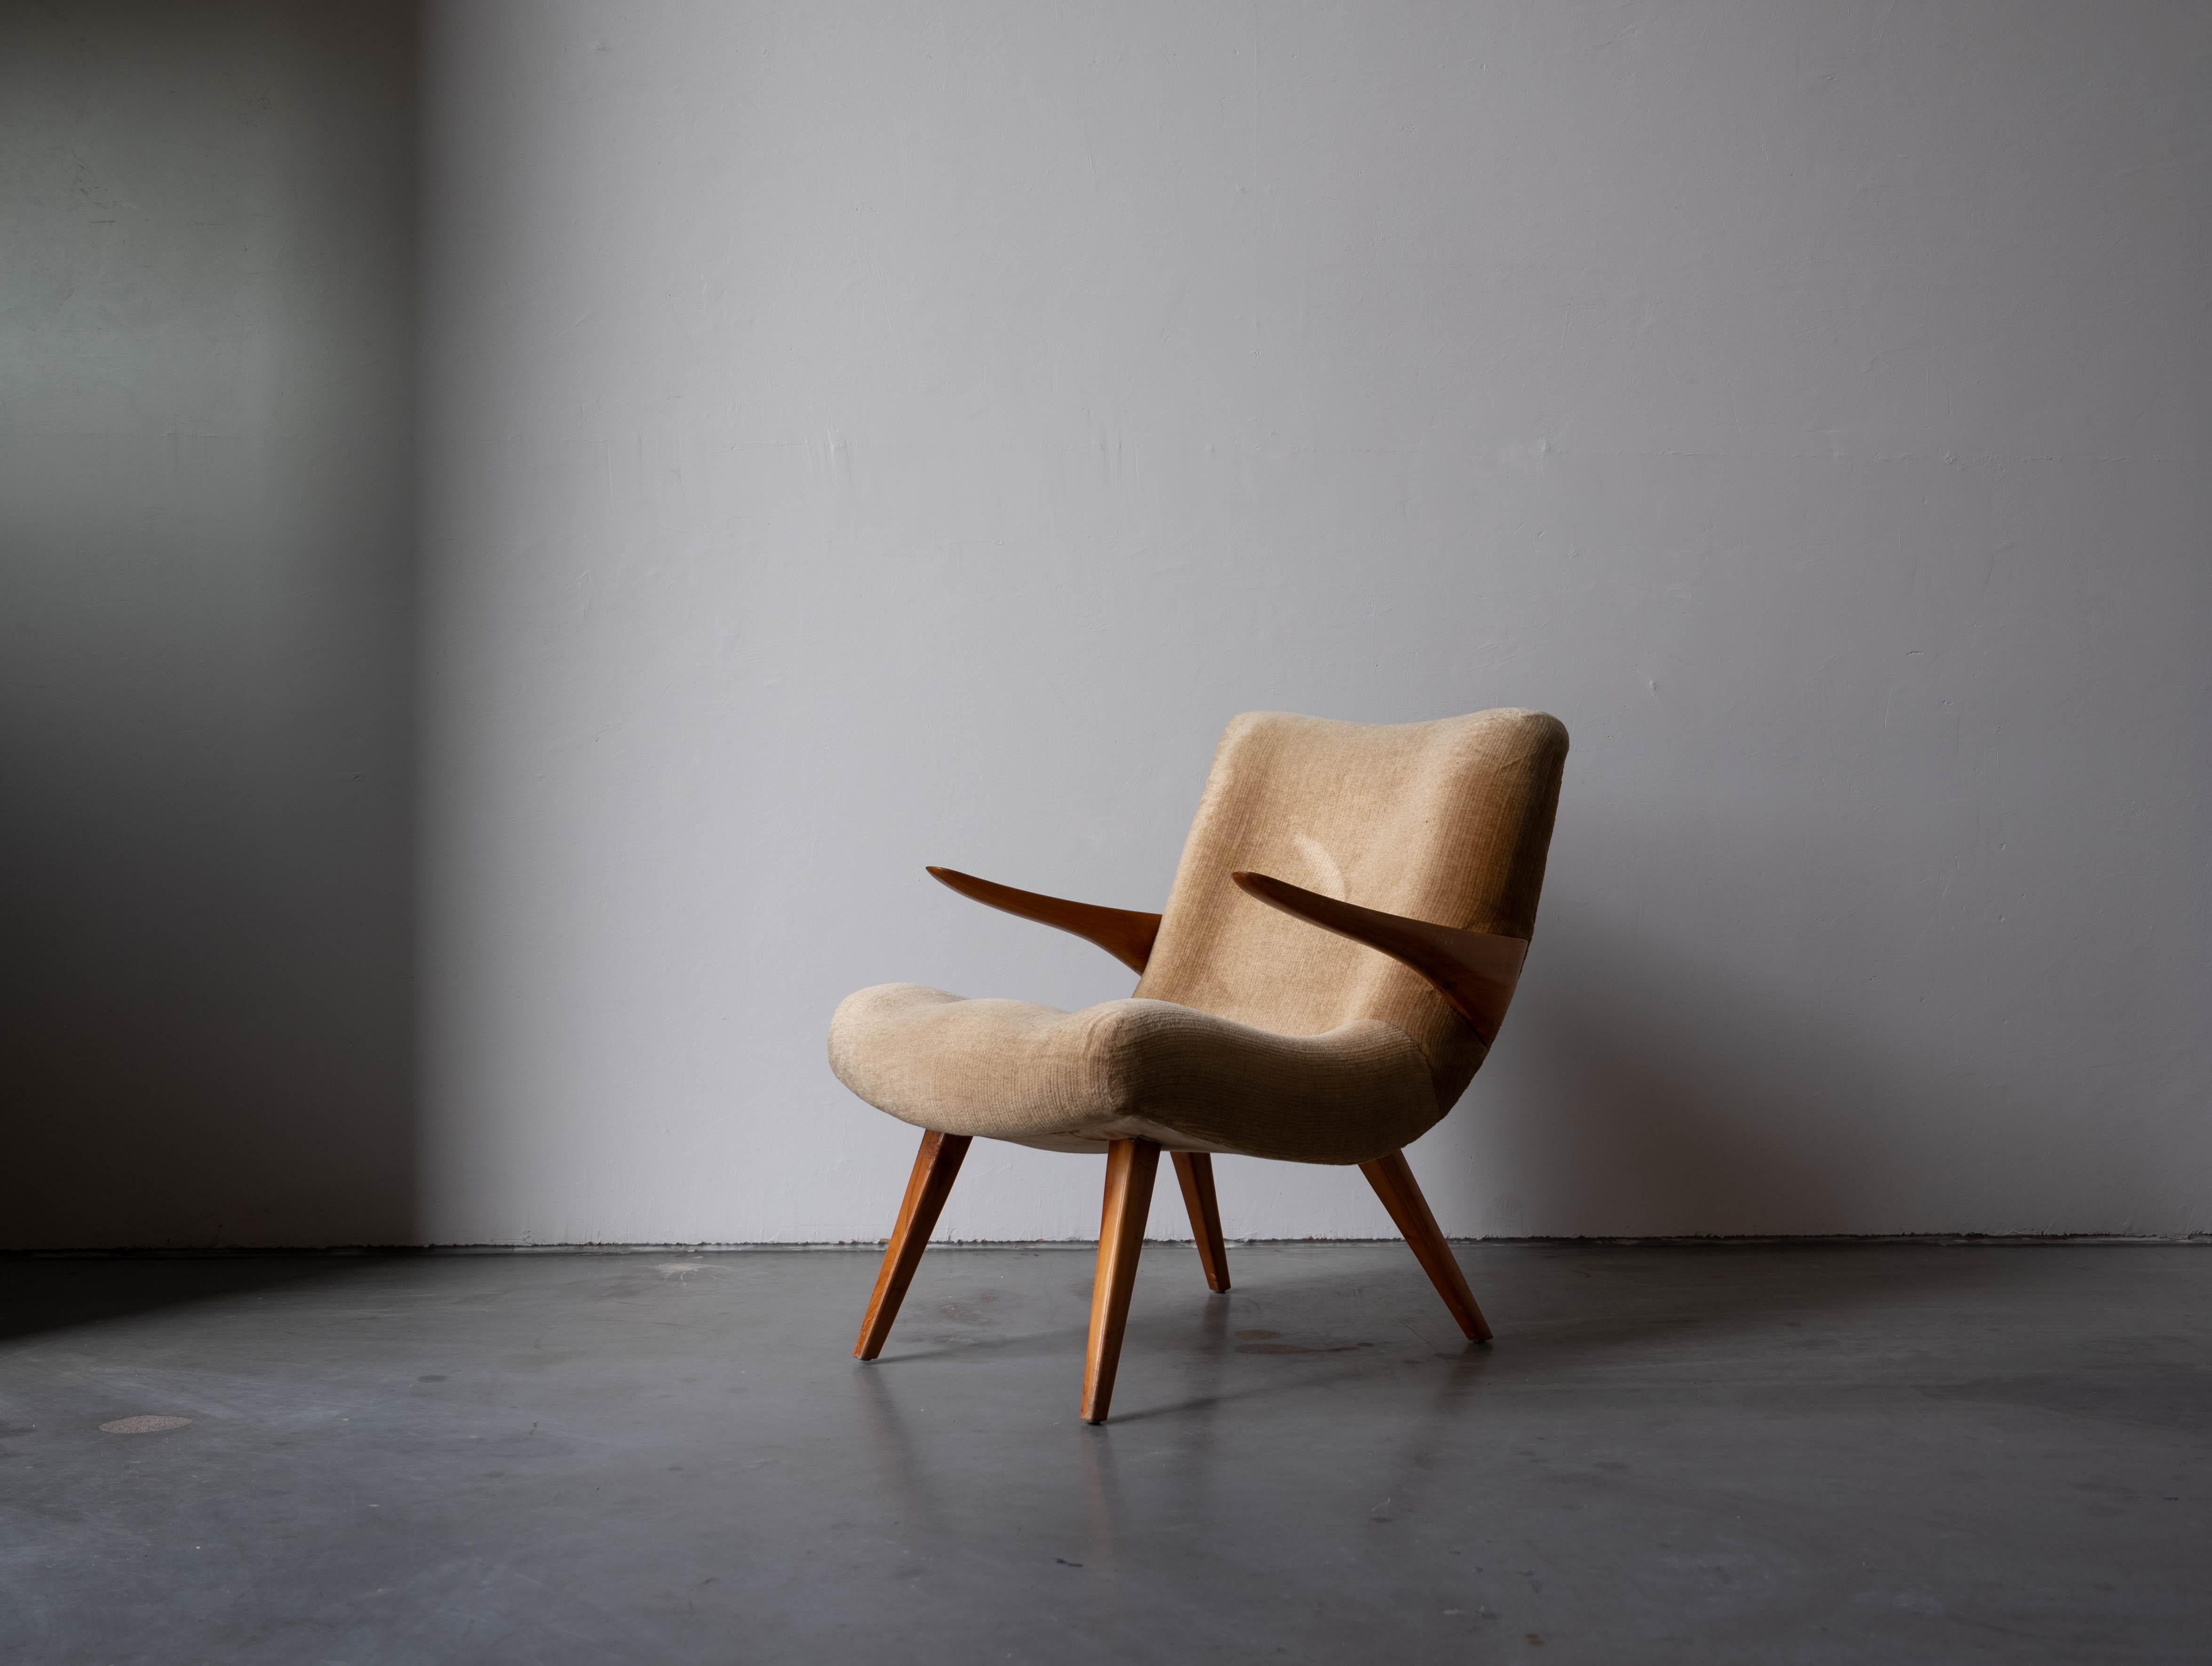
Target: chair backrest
[(1448, 821)]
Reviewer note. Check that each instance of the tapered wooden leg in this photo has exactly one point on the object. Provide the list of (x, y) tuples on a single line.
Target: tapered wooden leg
[(1194, 1173), (927, 1189), (1393, 1182), (1130, 1166)]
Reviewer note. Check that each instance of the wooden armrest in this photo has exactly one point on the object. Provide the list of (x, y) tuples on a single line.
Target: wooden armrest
[(1475, 971), (1122, 933)]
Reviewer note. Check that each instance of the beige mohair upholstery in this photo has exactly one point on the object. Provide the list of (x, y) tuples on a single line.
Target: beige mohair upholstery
[(1128, 1069), (1252, 1031)]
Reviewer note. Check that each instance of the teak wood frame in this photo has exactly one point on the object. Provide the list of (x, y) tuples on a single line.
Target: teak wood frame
[(1475, 971)]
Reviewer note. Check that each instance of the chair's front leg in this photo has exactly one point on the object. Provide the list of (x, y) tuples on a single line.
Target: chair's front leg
[(1393, 1182), (935, 1169), (1130, 1166)]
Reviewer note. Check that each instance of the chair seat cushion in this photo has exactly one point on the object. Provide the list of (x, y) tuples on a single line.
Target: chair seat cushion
[(1124, 1069)]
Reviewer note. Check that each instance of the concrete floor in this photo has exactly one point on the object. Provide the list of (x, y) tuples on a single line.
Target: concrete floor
[(1891, 1453)]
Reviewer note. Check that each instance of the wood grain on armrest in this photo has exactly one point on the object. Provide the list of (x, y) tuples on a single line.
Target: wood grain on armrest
[(1124, 933), (1475, 971)]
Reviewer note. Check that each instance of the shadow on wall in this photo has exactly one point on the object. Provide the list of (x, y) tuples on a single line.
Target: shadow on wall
[(1656, 1090), (207, 514), (1651, 1121)]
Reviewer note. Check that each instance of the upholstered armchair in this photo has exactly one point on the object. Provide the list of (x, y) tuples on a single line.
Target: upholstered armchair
[(1332, 1021)]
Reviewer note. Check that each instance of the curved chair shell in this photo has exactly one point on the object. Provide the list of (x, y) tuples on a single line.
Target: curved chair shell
[(1448, 821)]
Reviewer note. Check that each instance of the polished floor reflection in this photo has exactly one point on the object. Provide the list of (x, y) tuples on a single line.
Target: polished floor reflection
[(1840, 1453)]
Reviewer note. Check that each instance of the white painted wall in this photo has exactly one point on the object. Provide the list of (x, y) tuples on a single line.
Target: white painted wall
[(866, 434)]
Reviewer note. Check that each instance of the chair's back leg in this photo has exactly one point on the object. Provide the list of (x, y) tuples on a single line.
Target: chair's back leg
[(1195, 1174), (1130, 1167), (1393, 1182), (927, 1189)]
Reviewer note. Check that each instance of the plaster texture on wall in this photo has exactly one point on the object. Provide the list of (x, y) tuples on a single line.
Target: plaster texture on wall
[(858, 436), (864, 436), (206, 548)]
